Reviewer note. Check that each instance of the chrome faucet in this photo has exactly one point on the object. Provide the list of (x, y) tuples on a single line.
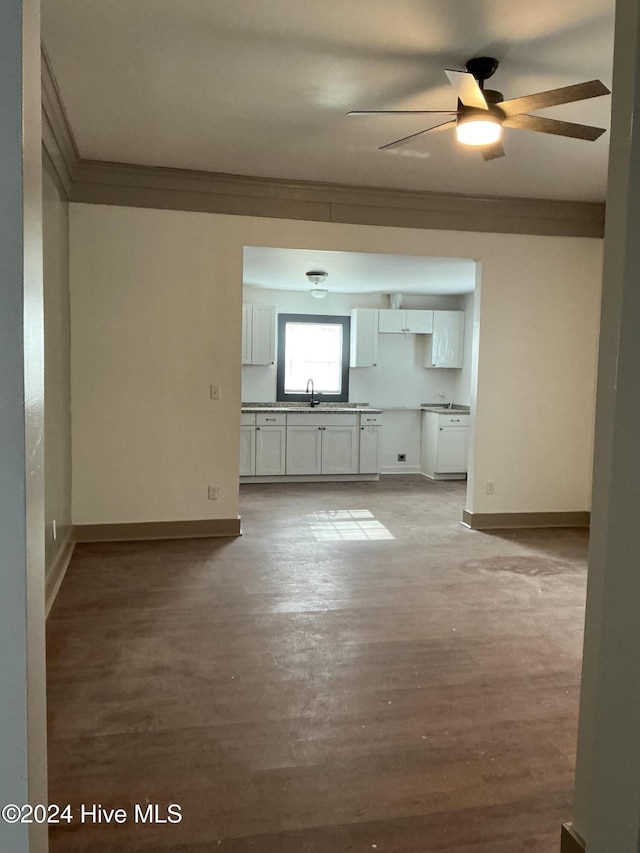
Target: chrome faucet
[(312, 400)]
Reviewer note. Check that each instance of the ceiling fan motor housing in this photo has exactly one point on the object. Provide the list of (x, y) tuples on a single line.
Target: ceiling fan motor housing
[(482, 67)]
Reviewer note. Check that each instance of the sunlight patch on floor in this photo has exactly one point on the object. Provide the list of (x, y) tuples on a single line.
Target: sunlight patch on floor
[(347, 525)]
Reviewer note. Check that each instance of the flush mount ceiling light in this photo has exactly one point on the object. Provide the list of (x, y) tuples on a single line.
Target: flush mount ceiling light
[(317, 277), (478, 128)]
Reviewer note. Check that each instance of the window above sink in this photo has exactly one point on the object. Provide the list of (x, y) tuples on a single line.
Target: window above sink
[(313, 347)]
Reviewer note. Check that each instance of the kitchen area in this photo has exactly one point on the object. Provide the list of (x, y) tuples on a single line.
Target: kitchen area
[(402, 402)]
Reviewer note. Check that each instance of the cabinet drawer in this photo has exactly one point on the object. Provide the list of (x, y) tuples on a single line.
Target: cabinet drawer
[(247, 419), (453, 420), (313, 419), (371, 420), (271, 419)]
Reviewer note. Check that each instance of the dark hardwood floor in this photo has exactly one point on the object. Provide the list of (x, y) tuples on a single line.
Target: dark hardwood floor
[(357, 672)]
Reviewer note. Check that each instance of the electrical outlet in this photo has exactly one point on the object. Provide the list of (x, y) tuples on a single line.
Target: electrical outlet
[(402, 457), (214, 493), (54, 530), (491, 487), (214, 392)]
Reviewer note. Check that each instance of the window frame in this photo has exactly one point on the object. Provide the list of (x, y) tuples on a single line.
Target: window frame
[(313, 319)]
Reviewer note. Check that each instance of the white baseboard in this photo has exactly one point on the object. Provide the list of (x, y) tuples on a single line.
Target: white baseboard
[(401, 469)]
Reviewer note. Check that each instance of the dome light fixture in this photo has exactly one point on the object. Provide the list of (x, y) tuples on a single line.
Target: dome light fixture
[(479, 128), (317, 277)]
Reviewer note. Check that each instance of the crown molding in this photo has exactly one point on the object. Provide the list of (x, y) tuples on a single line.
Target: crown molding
[(209, 192), (130, 185), (57, 137)]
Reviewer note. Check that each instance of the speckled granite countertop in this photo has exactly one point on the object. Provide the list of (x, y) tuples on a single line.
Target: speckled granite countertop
[(446, 408), (300, 408)]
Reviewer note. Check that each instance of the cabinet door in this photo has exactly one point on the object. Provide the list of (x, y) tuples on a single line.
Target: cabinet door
[(453, 446), (263, 339), (270, 450), (247, 451), (447, 340), (419, 322), (392, 322), (247, 331), (304, 449), (339, 449), (370, 447), (364, 337)]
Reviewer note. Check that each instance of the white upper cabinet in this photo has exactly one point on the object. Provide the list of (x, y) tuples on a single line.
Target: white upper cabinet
[(416, 321), (390, 321), (258, 334), (247, 331), (364, 337), (446, 345), (419, 322)]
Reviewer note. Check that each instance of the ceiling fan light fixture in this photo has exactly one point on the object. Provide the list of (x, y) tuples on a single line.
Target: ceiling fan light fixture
[(479, 130)]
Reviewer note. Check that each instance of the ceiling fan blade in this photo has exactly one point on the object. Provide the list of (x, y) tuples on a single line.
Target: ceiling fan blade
[(492, 152), (467, 89), (444, 126), (565, 95), (551, 125), (400, 112)]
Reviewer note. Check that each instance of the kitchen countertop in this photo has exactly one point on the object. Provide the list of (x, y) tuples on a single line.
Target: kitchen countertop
[(439, 408), (307, 410)]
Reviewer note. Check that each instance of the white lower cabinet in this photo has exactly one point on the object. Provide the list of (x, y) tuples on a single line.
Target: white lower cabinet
[(322, 444), (339, 450), (370, 449), (304, 449), (271, 444), (297, 444), (445, 445), (247, 451), (247, 444), (370, 443)]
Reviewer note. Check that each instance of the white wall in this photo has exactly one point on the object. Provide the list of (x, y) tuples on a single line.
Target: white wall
[(156, 317), (57, 375), (606, 810), (23, 723)]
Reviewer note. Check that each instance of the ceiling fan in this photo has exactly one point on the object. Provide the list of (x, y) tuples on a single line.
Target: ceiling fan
[(482, 113)]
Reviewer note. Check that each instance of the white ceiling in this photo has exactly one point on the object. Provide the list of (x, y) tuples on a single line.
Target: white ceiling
[(353, 272), (261, 87)]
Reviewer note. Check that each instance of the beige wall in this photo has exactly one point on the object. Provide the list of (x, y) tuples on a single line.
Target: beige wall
[(156, 317), (57, 375)]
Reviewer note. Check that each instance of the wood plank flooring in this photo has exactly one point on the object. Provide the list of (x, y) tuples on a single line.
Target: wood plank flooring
[(317, 686)]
